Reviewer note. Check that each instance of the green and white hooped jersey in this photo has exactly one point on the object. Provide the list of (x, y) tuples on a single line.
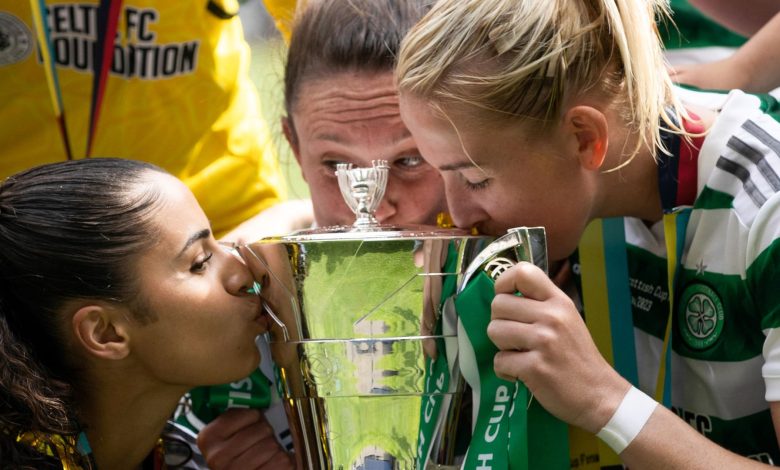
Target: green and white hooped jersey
[(726, 324)]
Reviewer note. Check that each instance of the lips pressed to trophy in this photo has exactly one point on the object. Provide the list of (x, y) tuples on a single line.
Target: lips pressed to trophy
[(365, 333)]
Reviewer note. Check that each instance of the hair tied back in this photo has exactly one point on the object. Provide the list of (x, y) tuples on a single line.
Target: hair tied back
[(500, 39)]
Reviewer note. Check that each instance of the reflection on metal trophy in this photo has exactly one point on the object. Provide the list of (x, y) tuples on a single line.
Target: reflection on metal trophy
[(367, 357), (519, 244)]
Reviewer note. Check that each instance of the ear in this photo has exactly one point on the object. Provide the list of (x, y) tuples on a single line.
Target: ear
[(101, 330), (292, 137), (589, 127)]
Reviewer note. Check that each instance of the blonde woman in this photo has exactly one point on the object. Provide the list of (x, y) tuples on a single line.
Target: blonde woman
[(561, 113)]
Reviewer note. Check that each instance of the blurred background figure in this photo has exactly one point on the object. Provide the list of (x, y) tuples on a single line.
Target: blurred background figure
[(723, 45), (164, 82)]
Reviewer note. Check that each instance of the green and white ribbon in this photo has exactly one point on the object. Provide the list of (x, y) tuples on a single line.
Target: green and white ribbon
[(508, 432)]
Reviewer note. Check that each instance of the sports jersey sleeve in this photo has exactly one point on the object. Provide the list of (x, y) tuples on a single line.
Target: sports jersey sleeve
[(763, 278)]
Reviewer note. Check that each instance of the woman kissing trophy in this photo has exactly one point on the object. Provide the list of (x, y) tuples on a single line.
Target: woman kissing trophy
[(375, 328)]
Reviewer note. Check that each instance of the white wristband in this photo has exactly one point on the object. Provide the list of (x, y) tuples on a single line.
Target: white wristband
[(628, 420)]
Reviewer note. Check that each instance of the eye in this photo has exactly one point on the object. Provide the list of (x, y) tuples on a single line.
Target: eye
[(409, 162), (201, 264), (331, 164), (477, 186)]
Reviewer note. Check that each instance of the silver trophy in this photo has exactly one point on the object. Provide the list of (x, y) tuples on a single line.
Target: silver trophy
[(367, 357)]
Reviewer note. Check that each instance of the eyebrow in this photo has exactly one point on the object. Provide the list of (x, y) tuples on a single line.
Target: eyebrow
[(457, 166), (199, 235), (330, 138), (397, 138), (403, 135)]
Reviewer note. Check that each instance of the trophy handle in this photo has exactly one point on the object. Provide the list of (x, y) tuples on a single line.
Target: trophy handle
[(266, 307), (519, 244), (276, 320), (534, 246)]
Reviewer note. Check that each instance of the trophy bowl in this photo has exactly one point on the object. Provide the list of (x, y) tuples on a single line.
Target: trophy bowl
[(364, 335)]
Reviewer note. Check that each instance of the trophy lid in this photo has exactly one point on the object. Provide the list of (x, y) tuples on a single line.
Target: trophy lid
[(363, 189)]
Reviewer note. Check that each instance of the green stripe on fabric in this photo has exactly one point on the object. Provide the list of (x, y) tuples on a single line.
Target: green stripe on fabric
[(751, 435), (713, 199), (492, 445), (547, 439), (765, 271), (741, 337), (603, 242), (490, 436), (675, 226), (649, 292), (210, 401), (692, 29), (769, 105)]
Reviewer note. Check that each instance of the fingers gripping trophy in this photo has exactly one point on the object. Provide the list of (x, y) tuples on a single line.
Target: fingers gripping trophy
[(371, 338)]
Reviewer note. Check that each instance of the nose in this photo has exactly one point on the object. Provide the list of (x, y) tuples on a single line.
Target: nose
[(238, 278), (385, 211), (464, 209)]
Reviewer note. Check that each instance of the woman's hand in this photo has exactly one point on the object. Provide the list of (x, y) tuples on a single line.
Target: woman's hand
[(545, 344), (754, 67), (241, 439), (726, 74)]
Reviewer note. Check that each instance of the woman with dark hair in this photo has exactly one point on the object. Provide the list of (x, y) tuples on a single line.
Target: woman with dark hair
[(341, 106), (115, 299)]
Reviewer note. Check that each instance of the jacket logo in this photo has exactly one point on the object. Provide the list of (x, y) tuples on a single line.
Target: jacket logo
[(15, 39)]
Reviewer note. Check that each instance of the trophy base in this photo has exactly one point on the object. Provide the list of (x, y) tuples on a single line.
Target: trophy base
[(364, 433)]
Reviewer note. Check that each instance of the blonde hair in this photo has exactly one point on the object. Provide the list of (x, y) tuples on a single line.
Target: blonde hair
[(523, 58)]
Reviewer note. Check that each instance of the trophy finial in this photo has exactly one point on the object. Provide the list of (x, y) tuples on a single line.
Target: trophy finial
[(363, 189)]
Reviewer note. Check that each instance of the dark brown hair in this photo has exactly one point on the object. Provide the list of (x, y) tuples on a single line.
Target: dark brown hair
[(330, 37), (68, 231)]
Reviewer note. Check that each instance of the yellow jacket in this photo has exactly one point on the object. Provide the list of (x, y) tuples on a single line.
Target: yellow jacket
[(177, 94)]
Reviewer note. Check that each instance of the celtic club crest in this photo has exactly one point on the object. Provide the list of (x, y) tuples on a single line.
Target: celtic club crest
[(701, 316), (498, 266), (16, 41)]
